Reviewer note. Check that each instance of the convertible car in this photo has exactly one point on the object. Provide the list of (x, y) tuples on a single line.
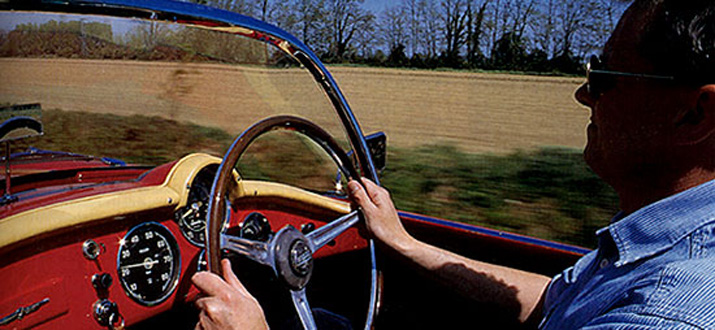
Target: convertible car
[(146, 140)]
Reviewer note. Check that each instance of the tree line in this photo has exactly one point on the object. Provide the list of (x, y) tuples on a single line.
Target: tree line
[(514, 35)]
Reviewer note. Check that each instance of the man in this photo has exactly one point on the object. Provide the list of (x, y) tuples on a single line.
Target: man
[(651, 137)]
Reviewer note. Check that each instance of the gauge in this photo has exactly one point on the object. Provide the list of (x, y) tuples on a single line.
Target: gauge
[(192, 217), (148, 263)]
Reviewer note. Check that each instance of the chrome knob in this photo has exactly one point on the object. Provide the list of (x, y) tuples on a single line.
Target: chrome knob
[(107, 314)]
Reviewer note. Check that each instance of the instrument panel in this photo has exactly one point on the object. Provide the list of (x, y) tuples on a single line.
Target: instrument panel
[(192, 217), (148, 263)]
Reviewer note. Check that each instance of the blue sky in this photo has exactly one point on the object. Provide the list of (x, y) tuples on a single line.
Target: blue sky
[(378, 5)]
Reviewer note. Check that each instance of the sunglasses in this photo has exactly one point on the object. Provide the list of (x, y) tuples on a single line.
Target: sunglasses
[(599, 81)]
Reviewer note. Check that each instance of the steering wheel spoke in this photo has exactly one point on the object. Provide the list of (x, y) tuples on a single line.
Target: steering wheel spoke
[(257, 251), (300, 301), (323, 235)]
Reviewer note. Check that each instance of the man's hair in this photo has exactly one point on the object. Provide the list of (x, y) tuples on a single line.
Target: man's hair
[(680, 39)]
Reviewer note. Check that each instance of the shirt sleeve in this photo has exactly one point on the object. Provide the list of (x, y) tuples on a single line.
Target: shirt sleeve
[(684, 299), (633, 321)]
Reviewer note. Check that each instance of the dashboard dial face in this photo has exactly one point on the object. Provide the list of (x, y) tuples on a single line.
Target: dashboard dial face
[(148, 263), (192, 217)]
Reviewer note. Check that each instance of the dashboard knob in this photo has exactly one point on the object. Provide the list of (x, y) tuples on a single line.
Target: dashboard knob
[(107, 314), (91, 249), (102, 281), (256, 227), (307, 228)]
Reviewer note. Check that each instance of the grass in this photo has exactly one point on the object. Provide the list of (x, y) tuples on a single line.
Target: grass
[(134, 139), (548, 193)]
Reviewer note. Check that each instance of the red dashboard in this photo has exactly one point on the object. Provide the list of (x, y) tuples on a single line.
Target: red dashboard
[(65, 269)]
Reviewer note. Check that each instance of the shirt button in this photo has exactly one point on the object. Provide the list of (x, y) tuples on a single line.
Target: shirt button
[(604, 263)]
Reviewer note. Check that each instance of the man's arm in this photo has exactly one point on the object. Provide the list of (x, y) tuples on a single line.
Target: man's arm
[(477, 280)]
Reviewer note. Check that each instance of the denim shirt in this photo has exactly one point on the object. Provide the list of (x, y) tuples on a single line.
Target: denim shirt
[(653, 269)]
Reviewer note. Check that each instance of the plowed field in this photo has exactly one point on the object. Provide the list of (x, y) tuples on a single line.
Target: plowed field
[(477, 112)]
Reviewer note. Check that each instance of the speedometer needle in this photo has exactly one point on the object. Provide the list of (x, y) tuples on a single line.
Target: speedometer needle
[(146, 264), (195, 207)]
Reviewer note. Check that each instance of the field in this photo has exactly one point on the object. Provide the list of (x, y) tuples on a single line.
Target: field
[(492, 149), (476, 112)]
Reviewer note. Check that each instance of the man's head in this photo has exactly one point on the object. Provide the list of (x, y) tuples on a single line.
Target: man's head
[(655, 130)]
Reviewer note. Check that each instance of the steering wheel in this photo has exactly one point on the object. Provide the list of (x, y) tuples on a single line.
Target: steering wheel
[(289, 252)]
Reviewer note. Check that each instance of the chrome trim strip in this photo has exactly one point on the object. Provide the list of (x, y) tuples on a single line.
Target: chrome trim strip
[(23, 311)]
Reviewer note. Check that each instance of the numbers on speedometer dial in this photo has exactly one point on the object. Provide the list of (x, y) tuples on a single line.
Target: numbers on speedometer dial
[(148, 263)]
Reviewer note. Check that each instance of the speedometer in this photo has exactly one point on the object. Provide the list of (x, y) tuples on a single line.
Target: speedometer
[(148, 263)]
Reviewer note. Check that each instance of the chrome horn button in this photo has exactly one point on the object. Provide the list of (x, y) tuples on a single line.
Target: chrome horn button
[(293, 258), (301, 258)]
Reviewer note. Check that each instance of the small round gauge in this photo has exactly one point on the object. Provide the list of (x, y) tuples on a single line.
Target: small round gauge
[(192, 217), (148, 263)]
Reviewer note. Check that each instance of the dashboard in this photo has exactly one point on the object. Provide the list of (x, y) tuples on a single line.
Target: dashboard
[(126, 255), (148, 257)]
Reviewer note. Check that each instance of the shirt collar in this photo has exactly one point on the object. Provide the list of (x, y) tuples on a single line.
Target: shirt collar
[(660, 225)]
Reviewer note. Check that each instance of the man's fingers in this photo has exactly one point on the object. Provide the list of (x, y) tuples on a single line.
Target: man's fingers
[(201, 303), (359, 195), (209, 307), (203, 318), (209, 283), (230, 276), (378, 195)]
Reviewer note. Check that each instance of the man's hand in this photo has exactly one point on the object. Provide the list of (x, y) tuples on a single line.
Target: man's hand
[(227, 304), (380, 213)]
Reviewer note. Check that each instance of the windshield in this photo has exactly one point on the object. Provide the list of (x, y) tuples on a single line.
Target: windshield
[(148, 92)]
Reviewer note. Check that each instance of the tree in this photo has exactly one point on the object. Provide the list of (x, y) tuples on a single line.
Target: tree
[(454, 19), (309, 16), (509, 34), (148, 35), (509, 52), (475, 25), (571, 16), (544, 27), (264, 8), (522, 16), (428, 17), (345, 18), (397, 57), (600, 21), (411, 11), (393, 27), (365, 39), (245, 7)]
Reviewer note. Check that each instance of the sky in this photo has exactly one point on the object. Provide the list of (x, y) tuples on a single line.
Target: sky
[(377, 6)]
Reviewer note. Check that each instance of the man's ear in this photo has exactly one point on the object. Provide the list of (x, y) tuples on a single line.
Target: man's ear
[(698, 123)]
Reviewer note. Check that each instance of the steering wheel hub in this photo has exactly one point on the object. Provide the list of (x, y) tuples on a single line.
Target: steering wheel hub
[(301, 258), (293, 258)]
